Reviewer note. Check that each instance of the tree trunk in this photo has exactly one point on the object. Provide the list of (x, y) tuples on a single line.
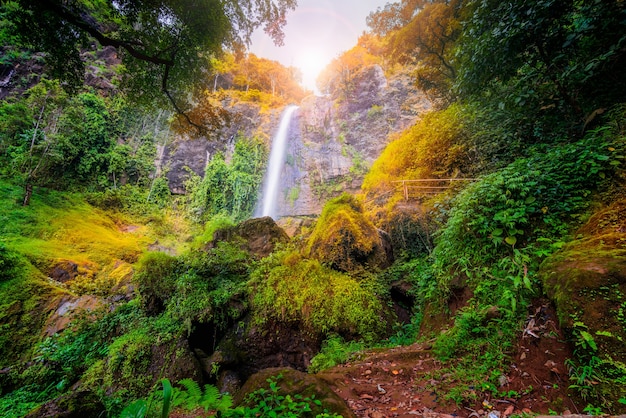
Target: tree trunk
[(28, 192)]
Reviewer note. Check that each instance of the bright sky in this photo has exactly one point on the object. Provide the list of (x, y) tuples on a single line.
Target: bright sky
[(316, 32)]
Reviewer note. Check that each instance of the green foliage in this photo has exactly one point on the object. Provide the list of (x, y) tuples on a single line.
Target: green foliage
[(270, 403), (20, 402), (229, 188), (127, 367), (209, 283), (156, 277), (217, 222), (140, 33), (292, 289), (334, 351), (501, 226), (186, 395), (50, 139), (559, 58), (594, 375), (197, 286), (60, 360)]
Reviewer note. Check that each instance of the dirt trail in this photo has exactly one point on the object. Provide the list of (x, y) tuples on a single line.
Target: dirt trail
[(400, 382)]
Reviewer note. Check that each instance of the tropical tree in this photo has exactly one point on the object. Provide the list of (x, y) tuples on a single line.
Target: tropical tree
[(561, 57), (165, 45)]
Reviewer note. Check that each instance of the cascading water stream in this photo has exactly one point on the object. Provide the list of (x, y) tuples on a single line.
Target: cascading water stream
[(275, 164)]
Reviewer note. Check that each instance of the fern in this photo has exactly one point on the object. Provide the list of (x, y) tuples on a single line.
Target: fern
[(211, 397), (187, 396), (193, 395)]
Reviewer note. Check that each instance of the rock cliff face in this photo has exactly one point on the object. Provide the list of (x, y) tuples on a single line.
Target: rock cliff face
[(333, 140)]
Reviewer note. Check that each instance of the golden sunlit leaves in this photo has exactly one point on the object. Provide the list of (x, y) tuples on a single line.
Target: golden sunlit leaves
[(432, 148), (338, 75)]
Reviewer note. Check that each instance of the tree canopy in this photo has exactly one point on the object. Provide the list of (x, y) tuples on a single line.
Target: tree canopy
[(166, 46)]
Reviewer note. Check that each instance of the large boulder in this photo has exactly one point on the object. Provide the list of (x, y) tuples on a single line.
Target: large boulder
[(292, 382), (587, 282), (75, 404), (346, 239), (257, 236)]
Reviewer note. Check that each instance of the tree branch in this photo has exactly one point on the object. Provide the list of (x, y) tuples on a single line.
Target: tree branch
[(164, 89), (103, 39)]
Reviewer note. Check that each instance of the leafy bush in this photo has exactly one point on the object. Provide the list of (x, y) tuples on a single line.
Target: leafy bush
[(128, 369), (334, 351), (156, 277), (269, 403), (196, 286), (502, 225), (187, 395), (219, 221), (210, 282), (229, 188), (497, 232)]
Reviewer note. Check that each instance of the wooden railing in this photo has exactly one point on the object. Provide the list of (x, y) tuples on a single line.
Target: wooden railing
[(427, 186)]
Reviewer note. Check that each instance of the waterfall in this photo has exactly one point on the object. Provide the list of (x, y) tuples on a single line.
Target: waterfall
[(269, 196)]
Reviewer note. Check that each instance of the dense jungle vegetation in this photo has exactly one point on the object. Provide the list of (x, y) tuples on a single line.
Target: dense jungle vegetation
[(529, 104)]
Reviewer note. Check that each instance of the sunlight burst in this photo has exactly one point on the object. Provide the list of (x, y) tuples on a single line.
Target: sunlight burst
[(311, 62)]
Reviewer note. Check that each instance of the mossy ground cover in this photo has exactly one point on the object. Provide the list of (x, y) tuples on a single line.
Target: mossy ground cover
[(63, 226), (57, 230)]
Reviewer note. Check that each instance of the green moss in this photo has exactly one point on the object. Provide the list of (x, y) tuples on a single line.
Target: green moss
[(344, 237), (136, 360), (587, 282), (23, 311), (291, 289)]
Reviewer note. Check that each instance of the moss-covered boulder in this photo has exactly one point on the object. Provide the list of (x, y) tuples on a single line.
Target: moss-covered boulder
[(587, 282), (75, 404), (137, 360), (285, 381), (257, 236), (346, 239)]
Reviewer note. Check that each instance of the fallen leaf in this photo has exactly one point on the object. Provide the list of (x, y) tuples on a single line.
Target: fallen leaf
[(366, 396), (508, 411), (395, 372)]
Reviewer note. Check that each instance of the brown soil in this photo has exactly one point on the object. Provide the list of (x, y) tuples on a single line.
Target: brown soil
[(399, 382)]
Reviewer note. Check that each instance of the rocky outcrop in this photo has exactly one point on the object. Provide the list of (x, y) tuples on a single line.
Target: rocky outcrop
[(339, 138), (346, 239), (187, 154), (332, 139), (257, 236)]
